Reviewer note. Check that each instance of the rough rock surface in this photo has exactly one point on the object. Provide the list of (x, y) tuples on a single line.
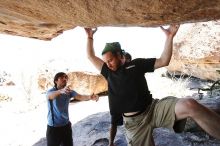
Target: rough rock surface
[(45, 19), (87, 83), (82, 82), (197, 51)]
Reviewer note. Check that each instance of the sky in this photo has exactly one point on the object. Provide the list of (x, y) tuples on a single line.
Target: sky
[(69, 48)]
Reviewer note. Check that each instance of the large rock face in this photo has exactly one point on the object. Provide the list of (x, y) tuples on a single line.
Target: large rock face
[(82, 82), (197, 51), (87, 83), (45, 19)]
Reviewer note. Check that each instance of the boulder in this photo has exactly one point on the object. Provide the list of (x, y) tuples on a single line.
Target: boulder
[(46, 19), (197, 51), (87, 82), (82, 82)]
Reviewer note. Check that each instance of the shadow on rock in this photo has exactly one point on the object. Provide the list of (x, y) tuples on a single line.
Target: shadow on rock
[(94, 131)]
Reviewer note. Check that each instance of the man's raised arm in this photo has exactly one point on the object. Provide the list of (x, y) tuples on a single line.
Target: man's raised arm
[(97, 62), (165, 57)]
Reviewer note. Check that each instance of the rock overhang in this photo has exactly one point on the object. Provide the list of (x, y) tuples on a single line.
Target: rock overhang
[(46, 19)]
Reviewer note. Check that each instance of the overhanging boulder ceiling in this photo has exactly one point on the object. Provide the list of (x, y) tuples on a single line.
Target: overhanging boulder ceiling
[(45, 19)]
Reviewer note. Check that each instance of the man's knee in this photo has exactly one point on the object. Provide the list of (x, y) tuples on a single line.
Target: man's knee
[(186, 107), (190, 105)]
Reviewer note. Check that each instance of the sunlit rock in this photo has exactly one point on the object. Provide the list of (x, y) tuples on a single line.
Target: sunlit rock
[(197, 51), (45, 19)]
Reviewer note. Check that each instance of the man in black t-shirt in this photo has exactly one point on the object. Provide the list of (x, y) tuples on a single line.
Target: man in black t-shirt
[(117, 119), (129, 94)]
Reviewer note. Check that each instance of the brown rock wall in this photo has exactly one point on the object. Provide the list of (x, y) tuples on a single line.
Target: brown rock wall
[(45, 19), (82, 82), (197, 51)]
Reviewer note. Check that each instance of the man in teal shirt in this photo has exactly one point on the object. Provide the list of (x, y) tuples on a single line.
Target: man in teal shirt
[(59, 129)]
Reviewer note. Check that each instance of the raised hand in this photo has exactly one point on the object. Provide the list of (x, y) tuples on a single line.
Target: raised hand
[(172, 30), (90, 32)]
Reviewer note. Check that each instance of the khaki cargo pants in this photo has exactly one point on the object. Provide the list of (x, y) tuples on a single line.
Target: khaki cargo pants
[(139, 129)]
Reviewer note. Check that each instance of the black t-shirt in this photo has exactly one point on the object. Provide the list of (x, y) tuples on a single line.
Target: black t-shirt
[(127, 87)]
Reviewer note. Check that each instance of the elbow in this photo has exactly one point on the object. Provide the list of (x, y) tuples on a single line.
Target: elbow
[(50, 97), (166, 63), (89, 57), (92, 58), (162, 63)]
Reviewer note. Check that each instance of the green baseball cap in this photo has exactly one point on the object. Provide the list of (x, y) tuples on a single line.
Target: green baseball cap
[(112, 47)]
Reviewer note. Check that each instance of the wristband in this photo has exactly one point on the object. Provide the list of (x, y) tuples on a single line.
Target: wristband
[(90, 38)]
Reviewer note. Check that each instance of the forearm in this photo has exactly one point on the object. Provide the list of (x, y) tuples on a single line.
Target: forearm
[(90, 49), (166, 55), (54, 94), (97, 62), (167, 52), (83, 97)]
